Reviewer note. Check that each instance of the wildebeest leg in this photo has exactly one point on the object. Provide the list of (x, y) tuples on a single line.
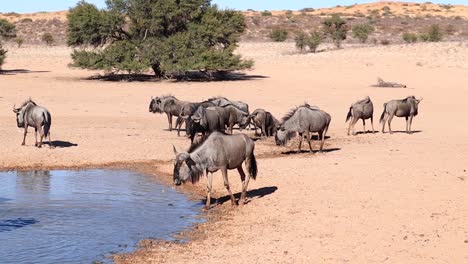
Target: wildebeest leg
[(41, 135), (390, 124), (309, 137), (179, 123), (245, 183), (322, 137), (301, 136), (226, 185), (354, 121), (384, 122), (35, 136), (169, 120), (410, 123), (25, 133), (349, 127), (231, 125), (364, 124), (264, 132), (208, 190), (372, 124), (406, 124)]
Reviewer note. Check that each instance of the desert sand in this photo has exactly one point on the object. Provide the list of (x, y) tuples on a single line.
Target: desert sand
[(370, 198)]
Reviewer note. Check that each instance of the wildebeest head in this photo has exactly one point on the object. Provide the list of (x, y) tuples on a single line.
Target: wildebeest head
[(19, 116), (199, 116), (21, 112), (283, 135), (244, 120), (183, 167), (155, 104)]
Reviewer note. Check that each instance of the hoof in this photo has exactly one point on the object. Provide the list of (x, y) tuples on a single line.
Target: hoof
[(23, 144)]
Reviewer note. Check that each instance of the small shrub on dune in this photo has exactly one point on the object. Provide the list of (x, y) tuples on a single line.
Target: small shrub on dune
[(362, 31), (410, 37), (314, 41), (266, 13), (435, 34), (19, 41), (279, 34), (336, 29), (48, 39), (301, 41), (2, 55)]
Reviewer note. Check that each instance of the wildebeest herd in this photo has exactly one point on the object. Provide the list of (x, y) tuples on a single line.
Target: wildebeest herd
[(213, 120)]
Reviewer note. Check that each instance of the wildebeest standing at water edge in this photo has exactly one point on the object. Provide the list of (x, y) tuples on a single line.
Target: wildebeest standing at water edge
[(303, 120), (167, 104), (30, 114), (407, 108), (362, 109), (218, 152)]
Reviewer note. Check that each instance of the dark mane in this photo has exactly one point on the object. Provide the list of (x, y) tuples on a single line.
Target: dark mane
[(27, 102), (196, 144), (407, 98), (293, 111)]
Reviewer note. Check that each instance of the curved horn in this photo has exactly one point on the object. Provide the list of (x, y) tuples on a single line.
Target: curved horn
[(14, 109), (421, 99)]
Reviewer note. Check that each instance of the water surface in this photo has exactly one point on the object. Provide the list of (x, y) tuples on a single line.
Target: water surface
[(84, 216)]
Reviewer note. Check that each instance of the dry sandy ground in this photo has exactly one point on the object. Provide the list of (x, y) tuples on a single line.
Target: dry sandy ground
[(369, 199)]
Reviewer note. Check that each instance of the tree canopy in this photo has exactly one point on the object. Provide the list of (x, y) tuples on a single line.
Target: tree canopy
[(172, 37), (7, 31)]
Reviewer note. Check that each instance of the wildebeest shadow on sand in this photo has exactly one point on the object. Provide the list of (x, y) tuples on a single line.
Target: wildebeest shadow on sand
[(189, 77), (251, 195), (294, 152), (19, 71), (61, 144), (403, 132)]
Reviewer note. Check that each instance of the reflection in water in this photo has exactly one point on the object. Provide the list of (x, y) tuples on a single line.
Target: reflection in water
[(82, 216), (32, 182)]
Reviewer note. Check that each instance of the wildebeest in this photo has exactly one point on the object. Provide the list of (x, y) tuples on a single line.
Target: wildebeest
[(187, 111), (167, 104), (223, 101), (205, 121), (362, 109), (30, 114), (407, 108), (303, 120), (232, 116), (265, 121), (218, 152)]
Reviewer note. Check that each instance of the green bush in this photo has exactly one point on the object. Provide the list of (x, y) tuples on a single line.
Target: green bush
[(266, 13), (170, 37), (410, 37), (2, 55), (7, 29), (424, 37), (48, 39), (279, 34), (19, 41), (336, 29), (301, 41), (314, 41), (362, 31), (435, 34)]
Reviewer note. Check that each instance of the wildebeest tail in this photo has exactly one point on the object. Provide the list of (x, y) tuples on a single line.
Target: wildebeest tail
[(253, 166), (349, 114), (47, 123), (383, 113)]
